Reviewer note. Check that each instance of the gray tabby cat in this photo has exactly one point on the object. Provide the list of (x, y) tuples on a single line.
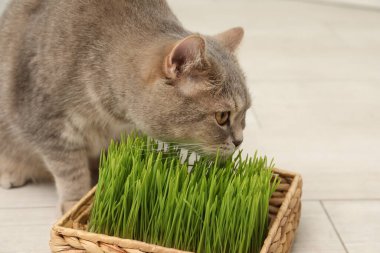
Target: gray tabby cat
[(76, 73)]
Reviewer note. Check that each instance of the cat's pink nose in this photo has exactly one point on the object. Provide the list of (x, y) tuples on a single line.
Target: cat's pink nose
[(237, 142)]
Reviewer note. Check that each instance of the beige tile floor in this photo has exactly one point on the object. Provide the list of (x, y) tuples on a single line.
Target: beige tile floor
[(314, 71)]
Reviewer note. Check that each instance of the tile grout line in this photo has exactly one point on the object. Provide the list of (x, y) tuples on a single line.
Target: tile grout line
[(25, 207), (333, 225), (342, 5), (339, 200)]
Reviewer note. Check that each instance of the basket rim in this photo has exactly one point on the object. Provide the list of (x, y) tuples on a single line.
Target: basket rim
[(283, 208), (59, 227)]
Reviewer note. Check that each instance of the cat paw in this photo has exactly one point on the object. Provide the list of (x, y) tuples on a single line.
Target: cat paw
[(11, 180), (66, 206)]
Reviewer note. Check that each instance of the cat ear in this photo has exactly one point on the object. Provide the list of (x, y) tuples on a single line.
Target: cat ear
[(186, 55), (231, 38)]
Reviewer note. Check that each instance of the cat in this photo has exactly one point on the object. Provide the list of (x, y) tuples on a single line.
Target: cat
[(76, 73)]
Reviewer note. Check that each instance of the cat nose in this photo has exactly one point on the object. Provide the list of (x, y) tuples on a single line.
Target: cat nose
[(237, 142)]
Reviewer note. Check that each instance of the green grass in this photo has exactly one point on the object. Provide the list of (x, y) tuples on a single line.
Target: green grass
[(147, 194)]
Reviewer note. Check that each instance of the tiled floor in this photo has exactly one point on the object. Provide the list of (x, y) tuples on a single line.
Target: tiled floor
[(314, 71)]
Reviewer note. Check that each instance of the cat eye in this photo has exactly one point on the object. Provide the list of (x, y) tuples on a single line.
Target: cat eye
[(222, 118)]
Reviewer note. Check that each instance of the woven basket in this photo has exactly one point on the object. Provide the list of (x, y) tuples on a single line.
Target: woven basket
[(69, 234)]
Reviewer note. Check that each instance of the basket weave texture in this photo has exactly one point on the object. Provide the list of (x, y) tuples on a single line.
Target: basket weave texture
[(69, 234)]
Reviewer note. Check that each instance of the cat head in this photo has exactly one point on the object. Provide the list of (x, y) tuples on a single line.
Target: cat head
[(200, 98)]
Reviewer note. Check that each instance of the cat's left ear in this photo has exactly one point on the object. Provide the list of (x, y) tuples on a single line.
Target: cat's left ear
[(231, 38), (186, 55)]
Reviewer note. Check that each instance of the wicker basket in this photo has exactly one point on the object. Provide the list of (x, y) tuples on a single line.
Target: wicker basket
[(69, 234)]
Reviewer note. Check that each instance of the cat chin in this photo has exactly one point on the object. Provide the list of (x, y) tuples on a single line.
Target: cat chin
[(222, 154)]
